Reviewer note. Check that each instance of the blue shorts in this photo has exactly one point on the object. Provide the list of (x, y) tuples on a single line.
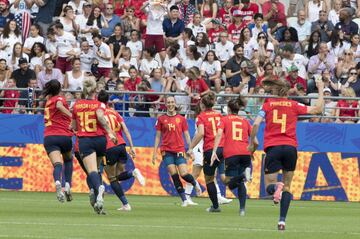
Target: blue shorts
[(58, 143), (171, 158), (283, 157), (89, 145), (116, 154), (210, 170), (236, 165)]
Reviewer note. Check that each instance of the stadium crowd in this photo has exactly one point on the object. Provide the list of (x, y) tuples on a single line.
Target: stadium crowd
[(185, 46)]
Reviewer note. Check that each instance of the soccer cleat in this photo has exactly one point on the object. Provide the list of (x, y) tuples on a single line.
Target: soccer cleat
[(140, 178), (59, 193), (198, 189), (222, 200), (67, 192), (185, 203), (190, 202), (248, 175), (277, 195), (98, 207), (212, 209), (92, 197), (126, 208), (242, 213), (281, 226)]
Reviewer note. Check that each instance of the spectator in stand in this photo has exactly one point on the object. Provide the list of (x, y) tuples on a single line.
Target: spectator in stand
[(347, 108), (135, 45), (337, 44), (116, 42), (215, 31), (66, 47), (68, 20), (35, 36), (224, 49), (323, 60), (148, 63), (328, 107), (178, 83), (303, 28), (46, 13), (15, 56), (77, 5), (208, 11), (141, 108), (291, 58), (196, 26), (49, 73), (330, 82), (37, 57), (211, 70), (253, 105), (345, 63), (312, 9), (5, 14), (266, 73), (114, 79), (30, 95), (196, 86), (121, 100), (187, 11), (294, 80), (233, 65), (171, 60), (103, 56), (324, 26), (156, 12), (10, 35), (225, 13), (134, 80), (274, 14), (126, 61), (85, 31), (74, 79), (5, 73), (202, 43), (245, 83), (263, 48), (187, 40), (346, 25), (234, 29), (130, 22), (173, 26), (258, 25), (112, 21), (290, 37), (11, 103), (247, 10), (353, 80), (335, 12), (86, 56), (313, 45), (50, 43), (23, 75), (248, 42), (192, 58), (96, 21)]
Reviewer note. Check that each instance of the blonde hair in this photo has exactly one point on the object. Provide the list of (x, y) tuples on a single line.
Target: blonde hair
[(348, 92), (89, 86)]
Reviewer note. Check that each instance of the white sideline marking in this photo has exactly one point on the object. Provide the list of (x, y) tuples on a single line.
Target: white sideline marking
[(167, 227)]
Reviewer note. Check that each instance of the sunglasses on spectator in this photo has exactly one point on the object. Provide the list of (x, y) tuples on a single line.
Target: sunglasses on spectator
[(129, 11), (262, 37), (348, 53), (353, 73), (109, 8)]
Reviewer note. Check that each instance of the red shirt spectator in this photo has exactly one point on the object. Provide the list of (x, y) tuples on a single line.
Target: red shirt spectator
[(293, 78), (348, 112), (225, 13), (214, 33), (13, 98), (274, 13), (247, 10), (131, 83), (196, 87), (119, 6)]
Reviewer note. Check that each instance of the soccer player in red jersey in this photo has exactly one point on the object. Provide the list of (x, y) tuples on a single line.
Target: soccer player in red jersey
[(170, 128), (116, 155), (91, 126), (236, 131), (280, 143), (207, 124), (57, 137)]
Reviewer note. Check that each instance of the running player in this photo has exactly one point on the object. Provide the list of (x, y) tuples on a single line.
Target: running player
[(236, 131), (280, 143), (171, 127), (89, 122), (57, 137), (206, 128), (116, 155)]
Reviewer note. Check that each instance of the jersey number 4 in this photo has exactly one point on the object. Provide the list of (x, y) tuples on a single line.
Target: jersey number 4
[(281, 121)]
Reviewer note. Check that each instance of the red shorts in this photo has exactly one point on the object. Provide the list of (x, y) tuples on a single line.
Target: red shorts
[(155, 40), (104, 71), (63, 65)]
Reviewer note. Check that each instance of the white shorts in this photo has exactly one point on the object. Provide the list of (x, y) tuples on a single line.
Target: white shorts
[(198, 154)]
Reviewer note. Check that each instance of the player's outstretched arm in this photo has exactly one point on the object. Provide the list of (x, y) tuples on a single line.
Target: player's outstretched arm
[(156, 145), (198, 136), (216, 145), (318, 108), (128, 136)]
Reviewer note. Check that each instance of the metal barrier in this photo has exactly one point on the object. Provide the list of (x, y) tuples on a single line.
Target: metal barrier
[(129, 107)]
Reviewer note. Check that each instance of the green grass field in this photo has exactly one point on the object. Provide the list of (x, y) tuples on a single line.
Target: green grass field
[(40, 215)]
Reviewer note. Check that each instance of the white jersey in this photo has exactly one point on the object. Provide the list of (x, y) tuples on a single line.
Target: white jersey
[(198, 152), (65, 43), (104, 49), (30, 41), (135, 48), (75, 83), (86, 60)]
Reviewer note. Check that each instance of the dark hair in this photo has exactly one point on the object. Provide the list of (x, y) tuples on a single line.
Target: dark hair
[(37, 26), (335, 38), (293, 34), (96, 35), (190, 34), (6, 31), (137, 32), (353, 35), (52, 88), (151, 51), (59, 25), (173, 50), (277, 87), (237, 46), (236, 104), (194, 51), (258, 15), (33, 53), (103, 96), (242, 35), (174, 7), (92, 18), (311, 51), (75, 59), (213, 52), (266, 38), (50, 31), (132, 68), (204, 41), (209, 100)]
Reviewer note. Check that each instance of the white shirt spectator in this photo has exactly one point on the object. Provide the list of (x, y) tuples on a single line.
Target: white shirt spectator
[(314, 10), (15, 65), (135, 48), (203, 50), (81, 20), (86, 59), (104, 49), (299, 61), (65, 43), (196, 29), (36, 61), (155, 19), (77, 9), (170, 64), (338, 50), (224, 52), (50, 46), (356, 53), (182, 49), (182, 101), (147, 66), (211, 69), (30, 41), (302, 30), (75, 83), (188, 63), (10, 42), (333, 17), (132, 62), (249, 48)]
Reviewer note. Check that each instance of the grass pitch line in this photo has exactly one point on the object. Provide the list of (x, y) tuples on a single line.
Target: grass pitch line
[(37, 237), (167, 227)]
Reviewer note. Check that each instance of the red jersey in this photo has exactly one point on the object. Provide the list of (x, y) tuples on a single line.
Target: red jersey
[(211, 121), (172, 128), (130, 85), (84, 112), (298, 80), (214, 34), (114, 120), (236, 133), (197, 86), (225, 16), (281, 118), (13, 98), (235, 32), (248, 13), (348, 112), (56, 122)]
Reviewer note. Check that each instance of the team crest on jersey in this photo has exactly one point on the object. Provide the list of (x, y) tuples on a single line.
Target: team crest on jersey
[(177, 120)]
